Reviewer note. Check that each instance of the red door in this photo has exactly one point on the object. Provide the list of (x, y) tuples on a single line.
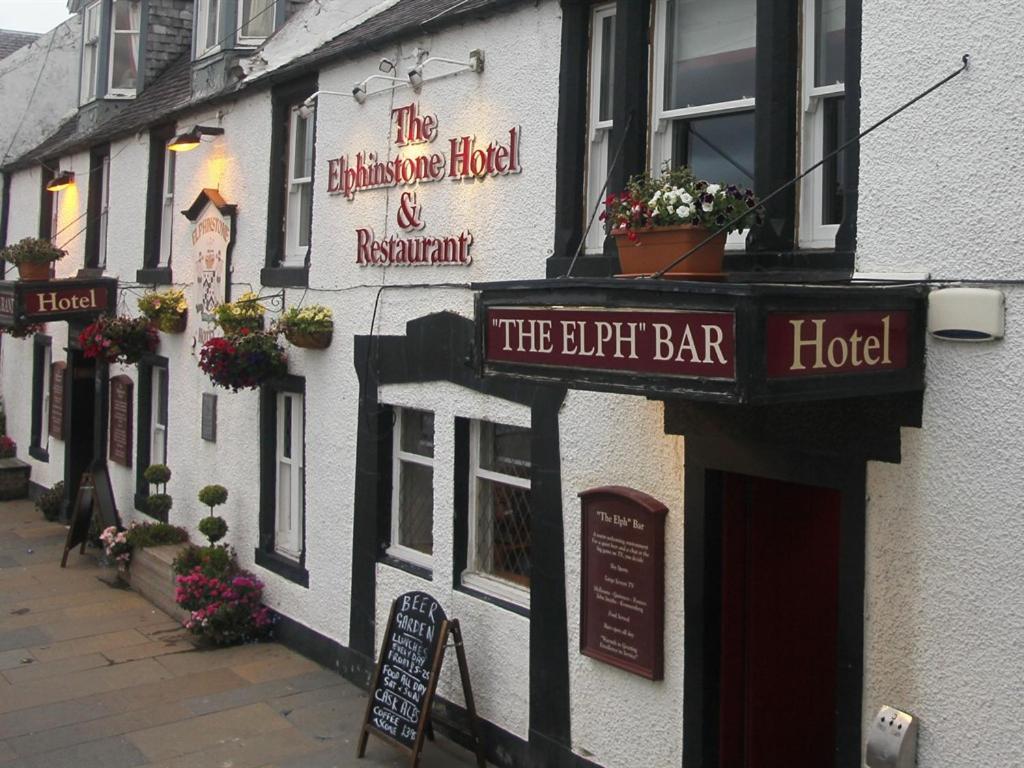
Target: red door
[(780, 555)]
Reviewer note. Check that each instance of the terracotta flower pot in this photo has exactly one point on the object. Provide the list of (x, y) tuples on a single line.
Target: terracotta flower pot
[(657, 247), (310, 339), (34, 270)]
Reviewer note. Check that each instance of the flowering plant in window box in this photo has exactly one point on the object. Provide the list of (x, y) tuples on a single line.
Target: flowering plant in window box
[(243, 314), (119, 339), (657, 219), (26, 331), (245, 361), (33, 257), (311, 327), (167, 310)]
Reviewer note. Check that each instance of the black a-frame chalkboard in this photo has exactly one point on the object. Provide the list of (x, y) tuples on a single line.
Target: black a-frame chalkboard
[(402, 690), (94, 496)]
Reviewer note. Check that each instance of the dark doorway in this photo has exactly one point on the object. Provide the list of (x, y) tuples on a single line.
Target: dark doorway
[(81, 433), (779, 623)]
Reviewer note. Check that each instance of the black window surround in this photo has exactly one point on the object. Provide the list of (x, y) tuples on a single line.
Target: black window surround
[(151, 273), (94, 225), (46, 201), (145, 417), (283, 98), (5, 216), (40, 346), (266, 556), (771, 248)]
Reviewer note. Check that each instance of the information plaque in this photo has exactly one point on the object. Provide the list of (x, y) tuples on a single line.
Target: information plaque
[(120, 450), (622, 601)]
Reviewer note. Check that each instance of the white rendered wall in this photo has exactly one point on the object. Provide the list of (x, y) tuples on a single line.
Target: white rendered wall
[(940, 191)]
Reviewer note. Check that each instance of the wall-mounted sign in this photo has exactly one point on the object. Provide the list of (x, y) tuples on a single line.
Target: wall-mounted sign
[(669, 342), (467, 158), (209, 418), (213, 237), (53, 300), (121, 388), (622, 589), (730, 343), (58, 403)]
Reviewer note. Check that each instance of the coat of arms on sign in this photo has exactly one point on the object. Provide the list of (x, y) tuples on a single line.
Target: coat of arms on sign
[(213, 235)]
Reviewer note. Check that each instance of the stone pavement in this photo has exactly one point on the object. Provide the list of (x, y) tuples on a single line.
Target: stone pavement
[(93, 675)]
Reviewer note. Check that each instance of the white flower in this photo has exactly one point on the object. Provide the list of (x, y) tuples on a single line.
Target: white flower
[(707, 207), (671, 209), (686, 198), (713, 188), (683, 213)]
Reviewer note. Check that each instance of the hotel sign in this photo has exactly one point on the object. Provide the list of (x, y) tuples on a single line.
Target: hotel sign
[(52, 300), (719, 343)]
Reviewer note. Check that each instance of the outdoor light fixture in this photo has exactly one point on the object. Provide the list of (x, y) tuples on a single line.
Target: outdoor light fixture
[(475, 64), (183, 142), (386, 66), (62, 180), (359, 92)]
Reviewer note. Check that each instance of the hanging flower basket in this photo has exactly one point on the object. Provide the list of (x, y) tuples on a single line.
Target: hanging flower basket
[(167, 310), (245, 361), (26, 331), (119, 339), (309, 327), (242, 315)]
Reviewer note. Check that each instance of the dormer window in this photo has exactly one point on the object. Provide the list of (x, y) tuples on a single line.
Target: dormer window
[(110, 49), (207, 26), (228, 24), (256, 21)]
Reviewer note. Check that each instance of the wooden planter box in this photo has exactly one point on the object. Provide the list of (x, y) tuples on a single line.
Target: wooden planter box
[(151, 576), (14, 474)]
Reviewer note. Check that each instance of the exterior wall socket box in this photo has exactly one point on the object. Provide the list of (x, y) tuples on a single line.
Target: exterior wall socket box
[(892, 740)]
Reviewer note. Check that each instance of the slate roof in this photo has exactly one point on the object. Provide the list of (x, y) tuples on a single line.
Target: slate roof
[(171, 93), (10, 41)]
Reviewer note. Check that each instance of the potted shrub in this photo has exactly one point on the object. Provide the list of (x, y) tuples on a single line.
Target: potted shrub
[(50, 501), (245, 361), (310, 327), (158, 504), (167, 310), (657, 219), (33, 257), (243, 314), (119, 339), (213, 527)]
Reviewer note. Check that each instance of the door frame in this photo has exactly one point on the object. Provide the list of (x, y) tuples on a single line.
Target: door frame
[(707, 458)]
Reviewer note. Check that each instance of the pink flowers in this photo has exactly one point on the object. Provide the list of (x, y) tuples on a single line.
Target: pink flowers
[(115, 544), (225, 609)]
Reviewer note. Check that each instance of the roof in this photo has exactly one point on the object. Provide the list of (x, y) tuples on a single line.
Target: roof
[(171, 93), (10, 41)]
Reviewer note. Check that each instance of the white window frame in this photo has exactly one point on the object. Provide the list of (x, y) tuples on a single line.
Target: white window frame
[(157, 428), (396, 548), (243, 39), (135, 13), (101, 249), (473, 576), (662, 118), (288, 539), (89, 75), (294, 253), (599, 132), (203, 30), (44, 417), (812, 233), (167, 216)]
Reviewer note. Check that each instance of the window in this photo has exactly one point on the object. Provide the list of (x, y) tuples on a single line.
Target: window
[(255, 20), (289, 476), (498, 560), (207, 26), (99, 202), (160, 212), (290, 206), (153, 420), (41, 359), (283, 478), (412, 487), (124, 48), (704, 90), (599, 145), (298, 218), (49, 203), (90, 52), (824, 126)]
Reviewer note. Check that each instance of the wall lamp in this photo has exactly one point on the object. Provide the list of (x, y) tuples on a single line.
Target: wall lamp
[(183, 142), (62, 180), (359, 92), (475, 64)]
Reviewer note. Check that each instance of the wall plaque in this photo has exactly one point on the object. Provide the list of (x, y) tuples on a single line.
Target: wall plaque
[(622, 601), (58, 405), (209, 425), (121, 388)]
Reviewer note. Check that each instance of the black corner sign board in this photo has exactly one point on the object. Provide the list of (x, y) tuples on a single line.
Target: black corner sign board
[(94, 496), (402, 690)]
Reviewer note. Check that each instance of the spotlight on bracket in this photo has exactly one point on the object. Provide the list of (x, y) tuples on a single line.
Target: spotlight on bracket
[(416, 78), (62, 180), (359, 92), (183, 142), (387, 66)]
